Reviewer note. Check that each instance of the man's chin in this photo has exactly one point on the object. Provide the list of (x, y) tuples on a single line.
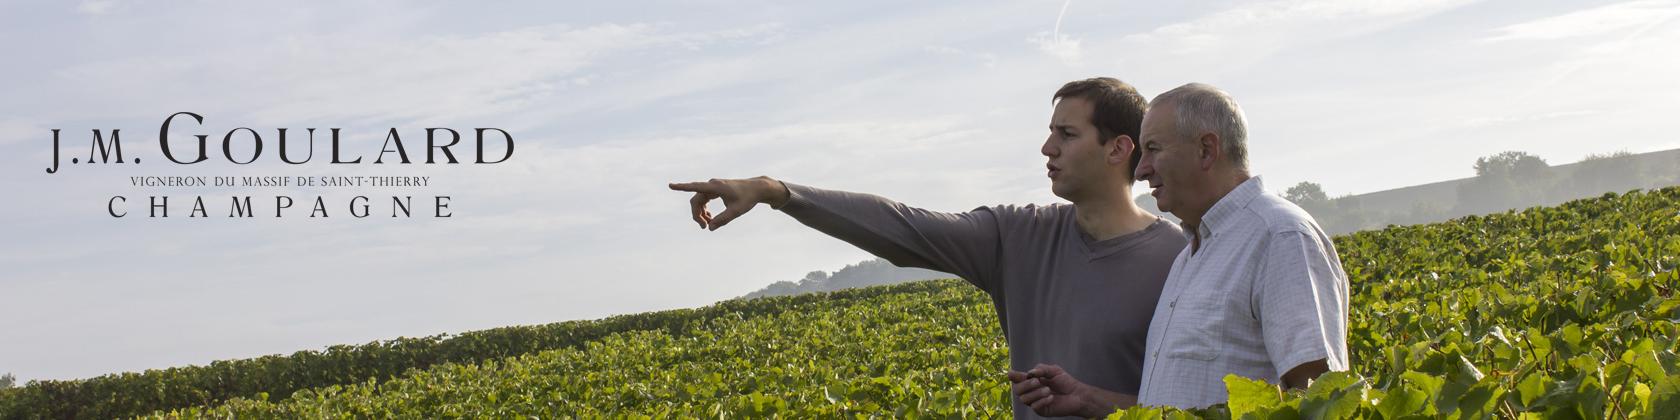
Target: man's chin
[(1060, 192)]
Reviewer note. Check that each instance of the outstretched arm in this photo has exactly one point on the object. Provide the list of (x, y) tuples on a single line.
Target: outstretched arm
[(966, 244)]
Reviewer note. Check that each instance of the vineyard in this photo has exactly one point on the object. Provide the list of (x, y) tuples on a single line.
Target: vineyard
[(1558, 312)]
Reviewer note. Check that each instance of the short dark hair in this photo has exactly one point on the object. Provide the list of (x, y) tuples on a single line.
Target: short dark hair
[(1117, 109)]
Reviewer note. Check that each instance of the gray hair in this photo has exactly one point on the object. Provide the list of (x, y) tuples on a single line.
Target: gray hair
[(1202, 108)]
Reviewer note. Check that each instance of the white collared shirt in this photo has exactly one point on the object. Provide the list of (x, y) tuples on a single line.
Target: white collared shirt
[(1264, 293)]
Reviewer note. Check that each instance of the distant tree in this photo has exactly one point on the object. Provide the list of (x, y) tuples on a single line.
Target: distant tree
[(1311, 197), (814, 277), (1512, 164), (1611, 155), (1598, 174), (7, 381), (1307, 194), (872, 272), (1505, 181), (780, 288)]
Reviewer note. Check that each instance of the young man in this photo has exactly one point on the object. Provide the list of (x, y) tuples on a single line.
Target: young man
[(1074, 286), (1259, 292)]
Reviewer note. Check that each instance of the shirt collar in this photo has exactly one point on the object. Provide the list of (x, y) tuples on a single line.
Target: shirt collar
[(1217, 216)]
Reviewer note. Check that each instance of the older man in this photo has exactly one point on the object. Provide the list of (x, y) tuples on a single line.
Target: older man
[(1259, 291)]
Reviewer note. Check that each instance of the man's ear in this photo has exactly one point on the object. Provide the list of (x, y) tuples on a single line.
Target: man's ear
[(1120, 149), (1209, 148)]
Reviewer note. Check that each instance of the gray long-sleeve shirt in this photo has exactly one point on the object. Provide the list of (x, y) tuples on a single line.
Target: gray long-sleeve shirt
[(1062, 297)]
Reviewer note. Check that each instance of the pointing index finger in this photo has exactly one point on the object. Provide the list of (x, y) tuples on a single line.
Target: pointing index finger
[(699, 187)]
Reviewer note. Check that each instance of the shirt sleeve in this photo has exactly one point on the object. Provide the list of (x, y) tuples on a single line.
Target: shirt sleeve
[(1301, 296), (965, 244)]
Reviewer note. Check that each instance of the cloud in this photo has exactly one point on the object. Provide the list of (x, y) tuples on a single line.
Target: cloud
[(96, 7), (1528, 118), (377, 79), (18, 130), (987, 59), (1057, 44), (1265, 24), (1614, 19), (460, 77), (1233, 42), (1062, 47)]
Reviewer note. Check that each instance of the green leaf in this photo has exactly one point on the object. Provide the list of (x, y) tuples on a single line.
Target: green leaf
[(1331, 383), (1666, 308), (1480, 401), (1250, 396), (1136, 413), (1532, 387), (1467, 372), (1665, 399), (1573, 337), (1334, 395), (1541, 343), (1649, 365), (1424, 382), (1403, 401), (1589, 396)]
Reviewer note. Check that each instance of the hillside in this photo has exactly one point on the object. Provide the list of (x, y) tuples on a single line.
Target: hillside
[(868, 273), (1558, 312), (1427, 203), (1488, 193)]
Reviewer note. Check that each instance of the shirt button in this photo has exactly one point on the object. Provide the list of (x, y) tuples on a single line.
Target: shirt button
[(1173, 304)]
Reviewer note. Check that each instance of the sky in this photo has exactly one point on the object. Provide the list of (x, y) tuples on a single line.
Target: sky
[(941, 105)]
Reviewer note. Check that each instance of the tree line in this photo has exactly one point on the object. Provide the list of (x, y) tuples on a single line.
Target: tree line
[(1504, 181)]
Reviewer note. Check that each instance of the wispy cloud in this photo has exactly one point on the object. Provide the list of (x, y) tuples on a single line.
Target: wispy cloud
[(1528, 118), (14, 130), (1614, 19), (1057, 44), (315, 77), (987, 59), (96, 7), (1261, 24)]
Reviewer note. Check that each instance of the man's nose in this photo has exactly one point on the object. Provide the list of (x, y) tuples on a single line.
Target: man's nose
[(1046, 150)]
